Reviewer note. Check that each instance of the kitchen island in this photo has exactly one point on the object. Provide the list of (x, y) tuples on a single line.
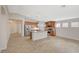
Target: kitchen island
[(38, 35)]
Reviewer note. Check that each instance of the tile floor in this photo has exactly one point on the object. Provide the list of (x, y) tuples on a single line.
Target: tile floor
[(18, 44)]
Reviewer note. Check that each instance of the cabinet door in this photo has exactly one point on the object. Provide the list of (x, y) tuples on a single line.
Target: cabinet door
[(51, 25)]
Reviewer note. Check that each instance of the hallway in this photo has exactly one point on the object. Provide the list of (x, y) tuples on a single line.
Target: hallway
[(18, 44)]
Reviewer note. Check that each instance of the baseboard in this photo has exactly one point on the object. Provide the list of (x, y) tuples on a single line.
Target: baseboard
[(1, 50), (67, 38)]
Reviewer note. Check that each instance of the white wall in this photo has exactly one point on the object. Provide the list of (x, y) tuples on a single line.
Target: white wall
[(19, 28), (4, 30), (13, 27), (68, 32)]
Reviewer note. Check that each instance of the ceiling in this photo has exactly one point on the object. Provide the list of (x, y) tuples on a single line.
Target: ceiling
[(44, 12)]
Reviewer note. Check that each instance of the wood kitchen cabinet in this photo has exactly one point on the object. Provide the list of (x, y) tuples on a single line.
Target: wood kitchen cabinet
[(50, 28)]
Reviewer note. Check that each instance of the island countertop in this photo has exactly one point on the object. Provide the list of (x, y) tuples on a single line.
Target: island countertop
[(36, 35)]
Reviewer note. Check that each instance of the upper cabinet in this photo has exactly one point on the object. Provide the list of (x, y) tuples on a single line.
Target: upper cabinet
[(50, 24), (32, 24)]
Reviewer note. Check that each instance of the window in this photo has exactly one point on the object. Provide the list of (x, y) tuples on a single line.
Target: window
[(64, 24), (58, 25), (75, 24)]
